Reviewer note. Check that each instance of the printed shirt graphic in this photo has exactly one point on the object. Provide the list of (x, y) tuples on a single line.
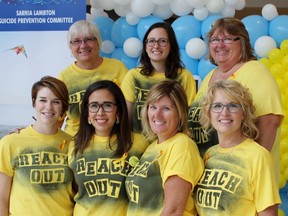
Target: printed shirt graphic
[(236, 181), (265, 93), (135, 87), (145, 183), (77, 80), (38, 164), (101, 177)]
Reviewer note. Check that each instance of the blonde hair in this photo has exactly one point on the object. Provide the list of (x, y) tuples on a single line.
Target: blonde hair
[(236, 93), (84, 28), (177, 95)]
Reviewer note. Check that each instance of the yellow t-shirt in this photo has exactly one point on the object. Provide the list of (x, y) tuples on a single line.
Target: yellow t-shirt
[(145, 183), (135, 87), (101, 177), (38, 164), (236, 181)]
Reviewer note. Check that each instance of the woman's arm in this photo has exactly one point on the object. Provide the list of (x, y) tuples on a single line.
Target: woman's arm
[(176, 193), (270, 211), (5, 188), (267, 126)]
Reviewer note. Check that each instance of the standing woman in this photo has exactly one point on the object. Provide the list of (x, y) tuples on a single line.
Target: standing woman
[(160, 60), (84, 41), (230, 50), (163, 181), (34, 174), (238, 177), (101, 154)]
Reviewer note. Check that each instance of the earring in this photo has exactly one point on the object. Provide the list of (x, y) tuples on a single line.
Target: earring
[(89, 122), (117, 121)]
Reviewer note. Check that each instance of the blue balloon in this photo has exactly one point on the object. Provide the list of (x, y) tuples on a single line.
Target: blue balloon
[(284, 204), (207, 25), (204, 67), (119, 54), (121, 31), (185, 28), (190, 63), (104, 25), (278, 29), (145, 23), (256, 26)]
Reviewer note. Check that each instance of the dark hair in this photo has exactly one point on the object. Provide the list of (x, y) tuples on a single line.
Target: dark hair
[(56, 86), (122, 130), (177, 95), (235, 27), (173, 61)]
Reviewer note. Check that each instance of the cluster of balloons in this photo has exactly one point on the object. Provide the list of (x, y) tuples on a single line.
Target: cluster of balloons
[(134, 10), (277, 61)]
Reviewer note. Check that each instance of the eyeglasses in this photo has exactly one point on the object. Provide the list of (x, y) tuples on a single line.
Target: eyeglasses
[(226, 40), (106, 106), (87, 40), (161, 42), (231, 107)]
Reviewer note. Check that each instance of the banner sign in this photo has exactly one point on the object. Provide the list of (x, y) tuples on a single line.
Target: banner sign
[(40, 15)]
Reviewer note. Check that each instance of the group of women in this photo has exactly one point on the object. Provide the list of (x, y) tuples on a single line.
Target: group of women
[(134, 138)]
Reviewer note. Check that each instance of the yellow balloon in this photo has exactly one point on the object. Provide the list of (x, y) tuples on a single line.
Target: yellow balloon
[(277, 70), (284, 159), (284, 47), (284, 133), (282, 181), (281, 212), (275, 55), (266, 61), (285, 61)]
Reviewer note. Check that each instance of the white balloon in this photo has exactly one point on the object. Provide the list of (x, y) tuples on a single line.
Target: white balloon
[(122, 2), (263, 45), (228, 11), (122, 10), (142, 8), (231, 2), (215, 6), (269, 12), (107, 46), (180, 7), (195, 48), (133, 47), (89, 17), (240, 5), (98, 13), (161, 2), (163, 11), (132, 19), (95, 4), (200, 13), (107, 4), (196, 3)]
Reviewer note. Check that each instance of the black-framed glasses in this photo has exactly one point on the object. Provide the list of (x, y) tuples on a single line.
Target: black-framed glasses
[(231, 107), (226, 40), (86, 40), (161, 42), (106, 106)]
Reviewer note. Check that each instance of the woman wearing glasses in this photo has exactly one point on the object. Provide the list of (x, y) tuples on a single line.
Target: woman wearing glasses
[(102, 153), (230, 50), (238, 177), (160, 60), (84, 42)]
